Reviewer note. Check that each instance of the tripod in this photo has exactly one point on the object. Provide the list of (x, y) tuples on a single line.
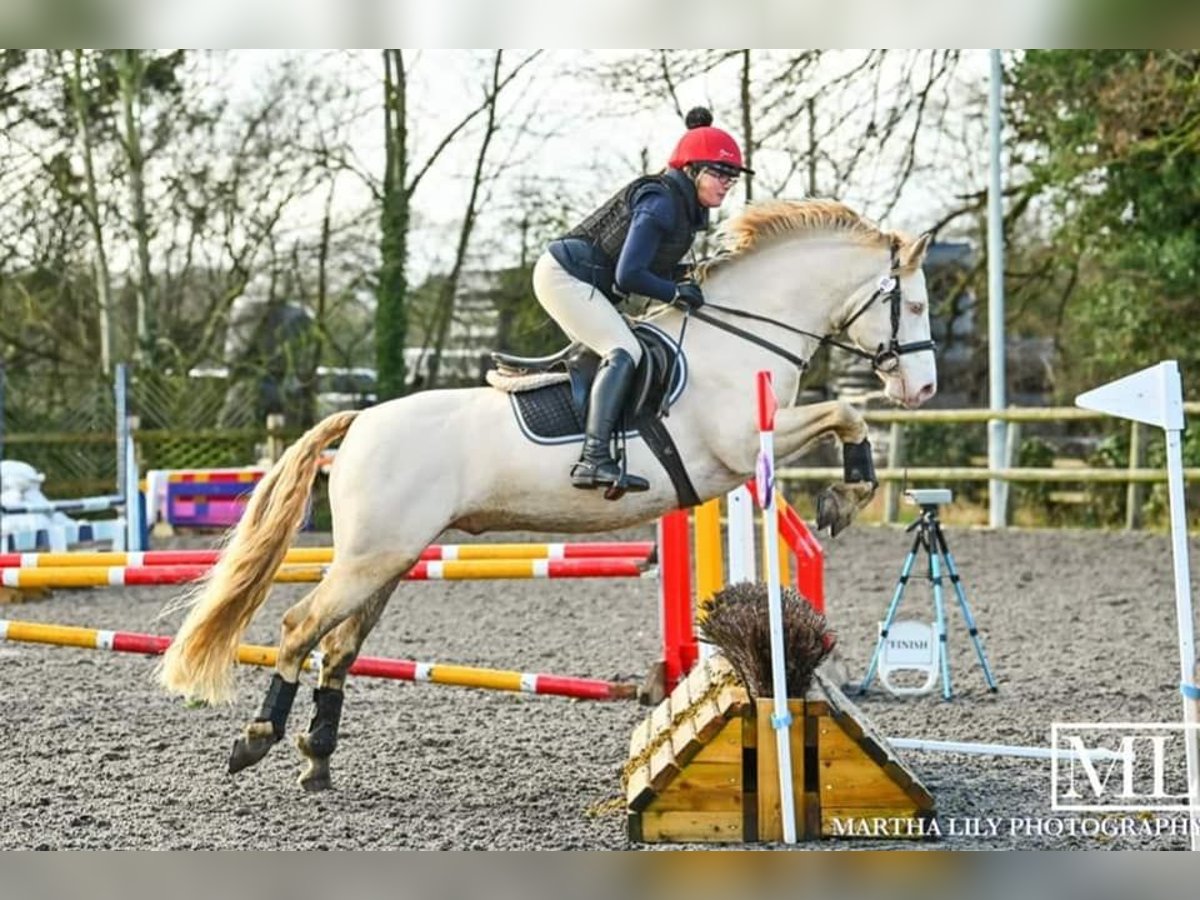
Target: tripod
[(929, 535)]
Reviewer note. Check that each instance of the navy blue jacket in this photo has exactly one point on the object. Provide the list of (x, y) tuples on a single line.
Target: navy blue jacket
[(635, 241)]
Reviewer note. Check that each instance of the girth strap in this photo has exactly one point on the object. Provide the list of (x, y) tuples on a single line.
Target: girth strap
[(658, 439)]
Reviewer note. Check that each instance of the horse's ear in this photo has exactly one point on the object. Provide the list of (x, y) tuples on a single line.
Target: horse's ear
[(911, 255)]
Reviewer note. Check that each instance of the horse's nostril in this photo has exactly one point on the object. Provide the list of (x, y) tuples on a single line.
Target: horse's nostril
[(926, 392)]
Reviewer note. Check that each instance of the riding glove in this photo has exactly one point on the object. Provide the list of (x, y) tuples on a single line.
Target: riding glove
[(688, 295)]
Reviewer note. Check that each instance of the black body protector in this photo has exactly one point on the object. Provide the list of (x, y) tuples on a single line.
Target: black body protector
[(605, 230)]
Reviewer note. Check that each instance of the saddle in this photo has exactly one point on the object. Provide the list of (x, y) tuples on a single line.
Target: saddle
[(550, 395)]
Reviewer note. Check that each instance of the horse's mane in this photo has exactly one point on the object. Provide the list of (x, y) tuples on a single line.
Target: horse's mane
[(761, 222)]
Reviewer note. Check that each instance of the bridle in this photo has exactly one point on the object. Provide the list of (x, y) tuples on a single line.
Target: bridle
[(885, 358)]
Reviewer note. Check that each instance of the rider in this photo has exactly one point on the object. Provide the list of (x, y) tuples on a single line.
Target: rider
[(633, 244)]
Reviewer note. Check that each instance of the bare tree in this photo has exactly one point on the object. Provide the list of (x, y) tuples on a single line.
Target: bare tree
[(74, 75), (130, 71), (391, 317), (744, 99), (450, 286), (846, 123), (396, 194)]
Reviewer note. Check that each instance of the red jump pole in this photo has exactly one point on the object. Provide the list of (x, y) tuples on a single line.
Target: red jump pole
[(810, 557), (680, 649)]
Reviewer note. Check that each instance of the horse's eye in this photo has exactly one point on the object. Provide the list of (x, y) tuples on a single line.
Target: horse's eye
[(916, 308)]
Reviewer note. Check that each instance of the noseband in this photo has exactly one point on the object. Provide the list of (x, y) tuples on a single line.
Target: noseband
[(884, 359)]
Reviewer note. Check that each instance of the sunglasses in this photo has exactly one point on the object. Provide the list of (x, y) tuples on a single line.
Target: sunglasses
[(725, 176)]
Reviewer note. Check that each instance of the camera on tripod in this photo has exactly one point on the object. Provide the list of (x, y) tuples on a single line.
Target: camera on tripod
[(913, 645), (929, 496)]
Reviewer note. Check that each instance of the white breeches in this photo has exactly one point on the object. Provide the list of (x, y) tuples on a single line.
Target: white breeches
[(581, 310)]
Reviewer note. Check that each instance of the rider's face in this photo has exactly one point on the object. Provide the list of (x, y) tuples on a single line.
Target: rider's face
[(712, 186)]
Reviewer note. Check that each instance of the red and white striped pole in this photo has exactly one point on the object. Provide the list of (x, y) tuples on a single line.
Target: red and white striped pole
[(320, 555), (426, 570), (810, 558)]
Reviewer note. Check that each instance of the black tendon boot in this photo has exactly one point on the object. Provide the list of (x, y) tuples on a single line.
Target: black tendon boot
[(596, 466)]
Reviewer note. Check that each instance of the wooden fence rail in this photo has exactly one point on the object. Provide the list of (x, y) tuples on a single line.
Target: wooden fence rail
[(972, 473), (275, 436), (1135, 477), (1012, 414)]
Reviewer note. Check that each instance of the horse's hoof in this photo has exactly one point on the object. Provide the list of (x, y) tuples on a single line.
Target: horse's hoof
[(838, 525), (315, 777), (826, 511), (316, 785), (249, 749)]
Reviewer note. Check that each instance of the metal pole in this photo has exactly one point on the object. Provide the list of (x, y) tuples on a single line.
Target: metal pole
[(3, 543), (996, 374), (120, 385), (1186, 623), (781, 720)]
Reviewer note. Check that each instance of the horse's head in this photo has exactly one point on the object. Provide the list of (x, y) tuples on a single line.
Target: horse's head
[(888, 321), (819, 269)]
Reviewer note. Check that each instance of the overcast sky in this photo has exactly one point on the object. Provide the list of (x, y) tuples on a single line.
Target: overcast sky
[(591, 139)]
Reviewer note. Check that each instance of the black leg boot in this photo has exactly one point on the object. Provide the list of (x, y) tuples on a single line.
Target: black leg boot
[(596, 466)]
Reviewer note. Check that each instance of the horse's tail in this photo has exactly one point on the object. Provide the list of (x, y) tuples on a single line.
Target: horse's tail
[(198, 664)]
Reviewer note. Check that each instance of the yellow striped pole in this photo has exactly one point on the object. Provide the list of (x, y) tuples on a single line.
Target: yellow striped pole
[(324, 555), (427, 570), (368, 666)]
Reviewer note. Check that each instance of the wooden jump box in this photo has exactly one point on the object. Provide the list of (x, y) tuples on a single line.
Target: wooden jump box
[(703, 768)]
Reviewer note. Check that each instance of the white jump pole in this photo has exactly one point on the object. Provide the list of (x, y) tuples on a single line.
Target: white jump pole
[(782, 719), (1015, 750), (740, 535), (1155, 396)]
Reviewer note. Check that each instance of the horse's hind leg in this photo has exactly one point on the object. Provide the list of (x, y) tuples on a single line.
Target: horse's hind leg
[(269, 726), (345, 589), (339, 649)]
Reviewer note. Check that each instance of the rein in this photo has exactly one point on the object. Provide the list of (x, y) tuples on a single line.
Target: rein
[(795, 360), (885, 357)]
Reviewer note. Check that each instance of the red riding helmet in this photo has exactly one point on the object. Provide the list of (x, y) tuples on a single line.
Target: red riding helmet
[(702, 143)]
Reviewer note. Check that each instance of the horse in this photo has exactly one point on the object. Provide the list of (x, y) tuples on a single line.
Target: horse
[(409, 468)]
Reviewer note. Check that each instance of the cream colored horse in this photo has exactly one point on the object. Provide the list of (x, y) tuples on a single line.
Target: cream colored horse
[(409, 468)]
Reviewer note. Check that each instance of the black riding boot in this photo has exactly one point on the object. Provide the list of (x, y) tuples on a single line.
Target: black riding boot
[(596, 466)]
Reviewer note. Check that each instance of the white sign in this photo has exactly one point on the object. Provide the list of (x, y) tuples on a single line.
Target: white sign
[(1153, 396), (910, 646)]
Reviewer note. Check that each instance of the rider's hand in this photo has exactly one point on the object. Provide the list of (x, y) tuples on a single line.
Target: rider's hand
[(688, 296)]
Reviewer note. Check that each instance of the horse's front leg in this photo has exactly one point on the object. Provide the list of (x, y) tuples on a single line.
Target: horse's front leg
[(798, 426), (339, 649)]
